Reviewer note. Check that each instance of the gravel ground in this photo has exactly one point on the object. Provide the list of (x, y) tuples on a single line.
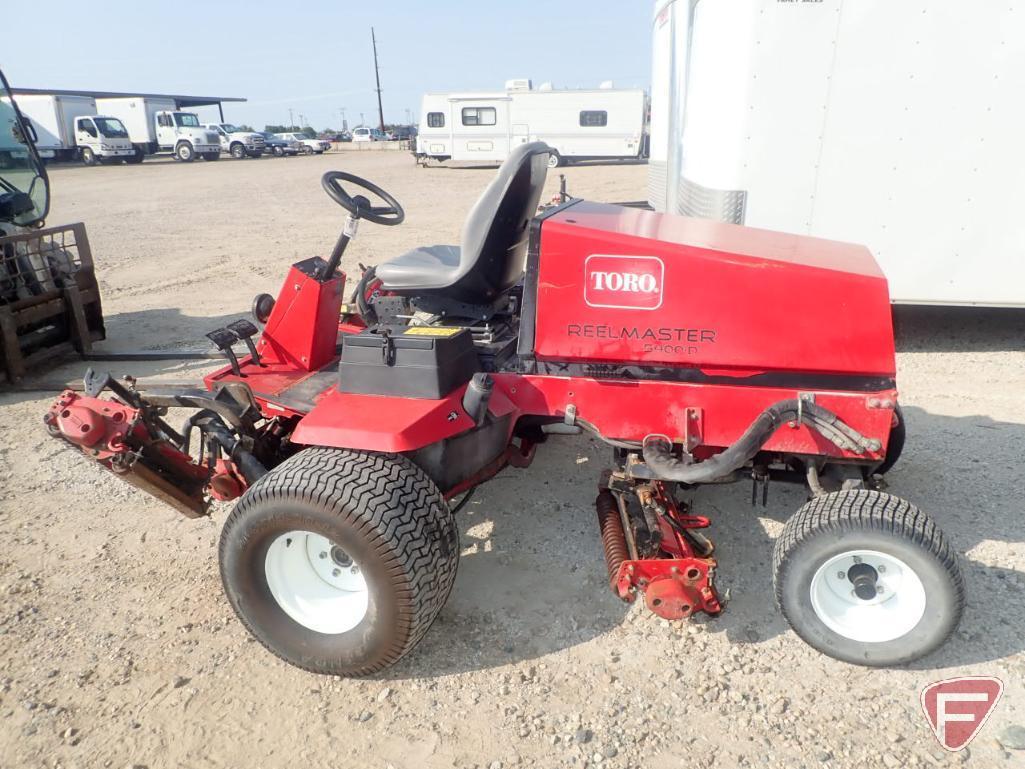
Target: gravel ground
[(118, 648)]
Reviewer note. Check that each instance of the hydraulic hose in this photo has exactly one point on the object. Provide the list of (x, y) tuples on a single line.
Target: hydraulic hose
[(658, 449)]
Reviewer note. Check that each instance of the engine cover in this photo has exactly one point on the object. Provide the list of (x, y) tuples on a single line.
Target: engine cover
[(625, 285)]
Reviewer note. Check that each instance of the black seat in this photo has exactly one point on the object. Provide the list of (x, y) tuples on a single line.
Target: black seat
[(493, 253)]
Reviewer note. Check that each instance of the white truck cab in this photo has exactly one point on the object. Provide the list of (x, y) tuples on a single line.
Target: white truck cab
[(101, 139), (185, 136), (239, 143)]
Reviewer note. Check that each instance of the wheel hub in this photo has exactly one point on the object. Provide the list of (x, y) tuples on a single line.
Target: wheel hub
[(868, 596), (316, 583)]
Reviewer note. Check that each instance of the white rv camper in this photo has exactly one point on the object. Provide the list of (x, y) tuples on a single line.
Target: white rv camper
[(896, 125), (578, 124)]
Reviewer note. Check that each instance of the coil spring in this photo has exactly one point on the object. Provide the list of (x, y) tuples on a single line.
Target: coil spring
[(612, 538)]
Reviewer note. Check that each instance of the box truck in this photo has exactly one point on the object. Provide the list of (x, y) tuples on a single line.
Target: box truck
[(888, 124), (68, 128), (156, 125), (579, 124)]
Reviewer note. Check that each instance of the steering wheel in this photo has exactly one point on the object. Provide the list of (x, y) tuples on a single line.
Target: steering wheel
[(359, 205)]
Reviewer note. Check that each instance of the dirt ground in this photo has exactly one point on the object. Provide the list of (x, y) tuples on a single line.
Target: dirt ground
[(118, 649)]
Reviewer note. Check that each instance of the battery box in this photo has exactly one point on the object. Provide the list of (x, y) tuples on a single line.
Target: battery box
[(407, 361)]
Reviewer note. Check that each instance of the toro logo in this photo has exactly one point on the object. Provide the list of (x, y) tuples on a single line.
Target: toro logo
[(623, 282), (958, 707)]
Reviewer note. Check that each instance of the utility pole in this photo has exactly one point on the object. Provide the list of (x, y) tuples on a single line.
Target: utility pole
[(345, 126), (377, 77), (291, 121)]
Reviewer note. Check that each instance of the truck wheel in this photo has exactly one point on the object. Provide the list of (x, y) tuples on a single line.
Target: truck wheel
[(895, 446), (554, 160), (867, 578), (279, 151), (211, 156), (136, 158), (338, 561), (238, 151), (88, 157), (184, 152)]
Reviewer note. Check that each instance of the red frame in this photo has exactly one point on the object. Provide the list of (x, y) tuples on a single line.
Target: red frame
[(782, 305)]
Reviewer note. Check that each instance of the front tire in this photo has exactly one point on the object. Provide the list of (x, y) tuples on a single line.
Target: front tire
[(184, 152), (238, 151), (88, 157), (554, 160), (338, 561), (278, 151), (867, 578)]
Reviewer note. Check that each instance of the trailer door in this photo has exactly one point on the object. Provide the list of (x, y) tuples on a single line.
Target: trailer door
[(520, 134), (480, 129)]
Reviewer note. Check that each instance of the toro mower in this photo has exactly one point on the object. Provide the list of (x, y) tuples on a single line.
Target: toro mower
[(700, 352)]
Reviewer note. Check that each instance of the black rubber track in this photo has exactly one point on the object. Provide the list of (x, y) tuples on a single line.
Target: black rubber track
[(400, 511), (849, 512)]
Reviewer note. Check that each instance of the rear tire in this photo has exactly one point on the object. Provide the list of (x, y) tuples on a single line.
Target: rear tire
[(135, 159), (184, 152), (212, 156), (278, 151), (867, 578), (895, 446), (392, 529)]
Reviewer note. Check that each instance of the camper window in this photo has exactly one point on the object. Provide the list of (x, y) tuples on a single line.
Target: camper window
[(479, 116), (435, 119), (594, 118)]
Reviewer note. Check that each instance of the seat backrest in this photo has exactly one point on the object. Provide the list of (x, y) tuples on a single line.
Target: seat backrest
[(493, 252)]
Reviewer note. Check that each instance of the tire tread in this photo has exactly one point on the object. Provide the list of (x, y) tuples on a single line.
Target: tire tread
[(397, 506)]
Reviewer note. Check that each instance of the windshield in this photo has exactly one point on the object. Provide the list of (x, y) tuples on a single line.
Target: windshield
[(186, 119), (229, 128), (24, 188), (111, 127)]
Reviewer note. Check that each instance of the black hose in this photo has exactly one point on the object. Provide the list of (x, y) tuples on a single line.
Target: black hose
[(658, 449)]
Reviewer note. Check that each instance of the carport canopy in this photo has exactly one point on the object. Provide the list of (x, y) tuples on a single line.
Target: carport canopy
[(181, 101)]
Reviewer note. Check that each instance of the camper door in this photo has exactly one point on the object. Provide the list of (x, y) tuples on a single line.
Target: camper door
[(480, 129)]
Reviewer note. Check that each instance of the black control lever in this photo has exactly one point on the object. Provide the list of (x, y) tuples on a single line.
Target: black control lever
[(223, 339), (245, 330)]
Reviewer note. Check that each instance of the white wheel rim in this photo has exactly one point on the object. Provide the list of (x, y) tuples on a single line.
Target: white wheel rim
[(316, 583), (896, 609)]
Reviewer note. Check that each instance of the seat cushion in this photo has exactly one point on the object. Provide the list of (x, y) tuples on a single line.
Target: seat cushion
[(428, 267)]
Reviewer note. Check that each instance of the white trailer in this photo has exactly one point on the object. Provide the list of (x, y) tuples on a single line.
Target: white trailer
[(896, 125), (579, 124), (156, 125), (53, 118)]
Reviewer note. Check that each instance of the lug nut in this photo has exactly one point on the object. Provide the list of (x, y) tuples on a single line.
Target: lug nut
[(879, 589), (880, 568), (323, 555), (335, 572), (354, 570), (841, 575)]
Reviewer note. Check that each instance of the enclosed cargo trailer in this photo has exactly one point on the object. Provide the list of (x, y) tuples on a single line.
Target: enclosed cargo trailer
[(870, 122)]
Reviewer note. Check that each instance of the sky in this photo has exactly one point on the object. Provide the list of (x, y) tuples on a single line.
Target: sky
[(315, 57)]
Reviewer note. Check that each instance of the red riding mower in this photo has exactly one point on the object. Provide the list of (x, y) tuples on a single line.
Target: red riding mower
[(700, 352)]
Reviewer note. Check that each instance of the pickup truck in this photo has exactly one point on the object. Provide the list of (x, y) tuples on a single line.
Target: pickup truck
[(239, 143)]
